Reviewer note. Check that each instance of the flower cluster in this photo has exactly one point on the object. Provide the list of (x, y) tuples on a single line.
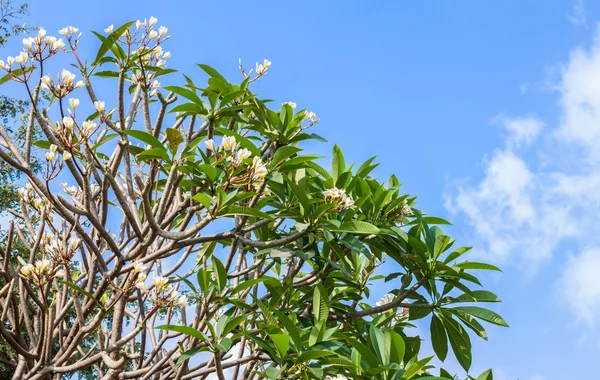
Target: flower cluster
[(339, 197), (29, 196), (58, 250), (36, 48), (229, 148), (261, 69), (161, 293), (148, 52), (65, 84), (386, 300), (41, 272)]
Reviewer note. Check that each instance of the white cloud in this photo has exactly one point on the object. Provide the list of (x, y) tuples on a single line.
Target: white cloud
[(537, 193), (580, 283), (578, 15), (522, 129)]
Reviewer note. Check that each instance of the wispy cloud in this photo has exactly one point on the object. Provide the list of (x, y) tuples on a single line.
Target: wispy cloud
[(578, 14), (541, 190)]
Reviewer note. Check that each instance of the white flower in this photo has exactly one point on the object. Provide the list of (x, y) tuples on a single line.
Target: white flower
[(167, 55), (313, 118), (141, 277), (260, 171), (73, 30), (153, 34), (182, 301), (67, 77), (88, 127), (160, 281), (59, 273), (141, 286), (385, 300), (335, 195), (37, 202), (210, 144), (110, 28), (41, 33), (50, 40), (74, 243), (68, 122), (67, 156), (99, 106), (162, 31), (79, 84), (291, 104), (161, 63), (58, 44), (27, 269), (42, 265), (46, 80), (155, 84), (10, 60), (262, 69), (64, 31), (228, 142), (21, 58), (242, 154), (139, 267), (139, 24), (74, 102), (52, 148), (49, 156), (153, 20), (2, 64), (28, 42)]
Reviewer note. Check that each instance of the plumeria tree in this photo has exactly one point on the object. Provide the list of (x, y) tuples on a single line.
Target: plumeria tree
[(181, 232)]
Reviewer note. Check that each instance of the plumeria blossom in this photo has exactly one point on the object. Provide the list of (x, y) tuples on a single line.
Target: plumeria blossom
[(312, 117), (210, 144), (242, 154), (228, 142), (139, 267), (338, 196), (99, 106), (74, 102), (262, 68), (385, 300), (110, 28), (260, 171)]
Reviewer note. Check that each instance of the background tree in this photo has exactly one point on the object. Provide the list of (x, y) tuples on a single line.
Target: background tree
[(218, 246)]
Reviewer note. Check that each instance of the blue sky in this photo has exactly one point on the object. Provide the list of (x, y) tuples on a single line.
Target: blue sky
[(488, 111)]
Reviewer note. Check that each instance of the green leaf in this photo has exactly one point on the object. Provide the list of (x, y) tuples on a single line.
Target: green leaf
[(16, 72), (188, 94), (220, 274), (460, 342), (290, 327), (187, 330), (439, 340), (189, 353), (378, 342), (145, 137), (212, 72), (203, 199), (282, 153), (174, 138), (487, 375), (313, 354), (109, 41), (484, 314), (476, 265), (477, 296), (320, 303), (396, 345), (338, 164), (82, 291), (358, 227), (249, 283), (282, 342), (248, 212)]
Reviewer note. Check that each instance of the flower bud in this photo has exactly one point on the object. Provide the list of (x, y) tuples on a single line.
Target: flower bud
[(74, 102), (210, 144)]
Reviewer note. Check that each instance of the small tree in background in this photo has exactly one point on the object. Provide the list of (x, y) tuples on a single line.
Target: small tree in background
[(176, 232)]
